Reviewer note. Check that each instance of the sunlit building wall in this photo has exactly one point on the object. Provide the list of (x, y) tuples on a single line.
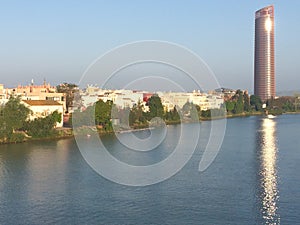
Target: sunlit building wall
[(264, 67)]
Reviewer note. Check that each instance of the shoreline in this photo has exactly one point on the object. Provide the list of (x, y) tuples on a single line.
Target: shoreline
[(65, 133), (291, 113)]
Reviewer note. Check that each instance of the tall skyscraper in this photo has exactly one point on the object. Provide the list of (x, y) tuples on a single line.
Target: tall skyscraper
[(264, 67)]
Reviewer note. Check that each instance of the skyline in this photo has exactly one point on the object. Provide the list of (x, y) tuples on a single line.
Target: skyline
[(59, 40)]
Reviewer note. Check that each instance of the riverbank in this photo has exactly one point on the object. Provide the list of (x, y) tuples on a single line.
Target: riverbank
[(292, 113), (88, 130), (229, 115), (60, 133), (67, 132)]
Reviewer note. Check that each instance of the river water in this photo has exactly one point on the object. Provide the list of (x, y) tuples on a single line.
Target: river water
[(253, 180)]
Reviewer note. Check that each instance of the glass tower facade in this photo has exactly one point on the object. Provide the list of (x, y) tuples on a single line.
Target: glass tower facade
[(264, 67)]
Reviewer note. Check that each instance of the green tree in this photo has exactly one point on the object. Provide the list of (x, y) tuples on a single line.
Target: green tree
[(43, 127), (247, 106), (239, 106), (238, 103), (56, 116), (137, 114), (230, 106), (103, 113), (206, 113), (288, 106), (2, 125), (14, 114), (155, 107), (172, 115), (256, 102), (12, 118)]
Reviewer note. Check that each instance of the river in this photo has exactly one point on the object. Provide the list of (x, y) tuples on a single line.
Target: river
[(253, 180)]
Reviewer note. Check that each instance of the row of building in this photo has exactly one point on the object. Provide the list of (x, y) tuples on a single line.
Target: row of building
[(129, 98), (44, 99)]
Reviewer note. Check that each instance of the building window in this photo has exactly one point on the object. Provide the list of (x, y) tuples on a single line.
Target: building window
[(50, 98)]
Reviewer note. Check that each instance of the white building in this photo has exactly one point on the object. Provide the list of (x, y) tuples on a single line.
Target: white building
[(199, 99), (129, 98), (36, 92), (3, 96), (43, 108), (215, 101), (207, 101), (89, 100), (172, 99), (121, 98)]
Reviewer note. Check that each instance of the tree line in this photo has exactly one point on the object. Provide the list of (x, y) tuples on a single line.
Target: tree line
[(107, 117), (242, 103)]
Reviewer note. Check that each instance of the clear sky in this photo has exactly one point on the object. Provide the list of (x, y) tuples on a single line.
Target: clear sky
[(58, 40)]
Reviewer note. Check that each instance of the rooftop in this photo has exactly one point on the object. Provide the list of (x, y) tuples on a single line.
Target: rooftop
[(41, 102)]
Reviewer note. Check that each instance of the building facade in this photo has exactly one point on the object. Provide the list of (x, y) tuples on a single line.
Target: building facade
[(130, 98), (35, 92), (264, 65), (43, 108)]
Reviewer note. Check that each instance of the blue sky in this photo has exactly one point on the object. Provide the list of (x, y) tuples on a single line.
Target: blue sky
[(58, 40)]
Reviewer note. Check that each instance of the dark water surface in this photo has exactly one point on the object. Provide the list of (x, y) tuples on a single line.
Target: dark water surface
[(253, 180)]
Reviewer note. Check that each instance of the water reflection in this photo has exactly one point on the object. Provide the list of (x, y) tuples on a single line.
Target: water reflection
[(268, 178)]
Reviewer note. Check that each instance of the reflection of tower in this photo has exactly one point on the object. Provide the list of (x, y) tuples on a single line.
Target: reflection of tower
[(264, 67), (269, 194)]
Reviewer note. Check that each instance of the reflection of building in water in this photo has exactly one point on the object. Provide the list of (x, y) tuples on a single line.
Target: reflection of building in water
[(268, 172)]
